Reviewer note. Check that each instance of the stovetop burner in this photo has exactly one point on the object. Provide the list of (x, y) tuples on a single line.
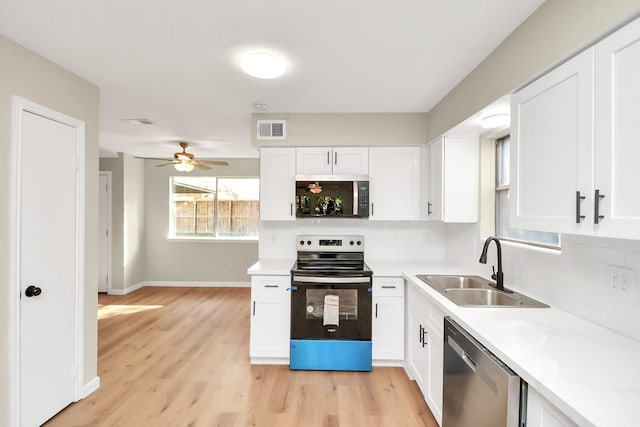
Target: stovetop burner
[(330, 255)]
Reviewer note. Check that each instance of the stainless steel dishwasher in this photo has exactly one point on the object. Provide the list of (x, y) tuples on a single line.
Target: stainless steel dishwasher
[(478, 389)]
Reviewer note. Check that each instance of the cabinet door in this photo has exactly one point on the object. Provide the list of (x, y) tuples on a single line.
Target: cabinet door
[(314, 161), (277, 184), (388, 328), (350, 161), (460, 179), (542, 413), (436, 169), (417, 357), (435, 373), (551, 149), (394, 176), (270, 317), (617, 151)]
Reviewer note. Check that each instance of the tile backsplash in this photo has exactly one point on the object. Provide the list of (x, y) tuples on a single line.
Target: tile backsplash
[(383, 239), (579, 278)]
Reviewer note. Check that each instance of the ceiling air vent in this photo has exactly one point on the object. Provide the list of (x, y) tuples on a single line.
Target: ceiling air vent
[(272, 129)]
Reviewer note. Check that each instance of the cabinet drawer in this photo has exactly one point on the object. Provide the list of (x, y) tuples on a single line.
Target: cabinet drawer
[(388, 287), (270, 287)]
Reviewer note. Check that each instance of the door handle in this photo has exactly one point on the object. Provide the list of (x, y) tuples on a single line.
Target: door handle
[(32, 291)]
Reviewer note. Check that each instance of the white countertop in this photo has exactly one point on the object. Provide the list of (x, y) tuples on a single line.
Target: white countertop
[(271, 267), (590, 373)]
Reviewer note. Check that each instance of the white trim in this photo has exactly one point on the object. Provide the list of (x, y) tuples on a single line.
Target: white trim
[(165, 284), (108, 174), (19, 106), (388, 363), (90, 387)]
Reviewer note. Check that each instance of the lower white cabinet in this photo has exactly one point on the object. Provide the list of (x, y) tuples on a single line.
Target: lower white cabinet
[(542, 413), (387, 333), (425, 347), (270, 319)]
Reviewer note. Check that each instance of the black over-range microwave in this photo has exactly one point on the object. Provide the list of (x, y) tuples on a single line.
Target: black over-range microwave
[(332, 196)]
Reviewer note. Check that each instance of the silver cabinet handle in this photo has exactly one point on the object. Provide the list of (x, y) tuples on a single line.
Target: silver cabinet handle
[(376, 310), (388, 286), (291, 209), (254, 308), (270, 286), (328, 161), (335, 158)]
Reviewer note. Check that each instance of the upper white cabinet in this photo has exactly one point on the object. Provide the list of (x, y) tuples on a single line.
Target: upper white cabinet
[(454, 172), (574, 143), (394, 178), (551, 149), (277, 184), (332, 161), (617, 129)]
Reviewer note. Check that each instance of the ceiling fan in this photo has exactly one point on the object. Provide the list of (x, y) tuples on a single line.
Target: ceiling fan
[(185, 162)]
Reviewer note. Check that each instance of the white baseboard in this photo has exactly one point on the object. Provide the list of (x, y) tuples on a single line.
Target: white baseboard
[(389, 363), (199, 284), (90, 387), (180, 285)]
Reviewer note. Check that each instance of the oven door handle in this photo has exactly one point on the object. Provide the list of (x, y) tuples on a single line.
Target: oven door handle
[(316, 279)]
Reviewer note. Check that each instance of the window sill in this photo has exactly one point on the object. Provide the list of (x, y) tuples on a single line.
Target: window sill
[(213, 239)]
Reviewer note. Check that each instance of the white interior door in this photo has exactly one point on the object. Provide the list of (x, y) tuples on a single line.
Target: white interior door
[(47, 266), (104, 232)]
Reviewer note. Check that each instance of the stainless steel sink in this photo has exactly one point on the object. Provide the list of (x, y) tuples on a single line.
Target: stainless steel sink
[(474, 291)]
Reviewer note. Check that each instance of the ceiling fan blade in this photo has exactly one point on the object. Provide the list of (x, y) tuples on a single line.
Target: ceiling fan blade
[(214, 162), (153, 158), (199, 165), (167, 164)]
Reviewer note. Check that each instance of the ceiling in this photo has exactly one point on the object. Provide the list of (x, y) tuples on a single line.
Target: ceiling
[(176, 62)]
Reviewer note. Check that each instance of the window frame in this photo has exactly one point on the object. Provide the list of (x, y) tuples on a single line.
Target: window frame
[(500, 187), (171, 235)]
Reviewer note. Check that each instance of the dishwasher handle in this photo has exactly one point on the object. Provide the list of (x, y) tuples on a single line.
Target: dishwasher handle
[(463, 355)]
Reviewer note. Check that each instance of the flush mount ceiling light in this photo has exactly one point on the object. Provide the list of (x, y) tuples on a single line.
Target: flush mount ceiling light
[(494, 121), (262, 64)]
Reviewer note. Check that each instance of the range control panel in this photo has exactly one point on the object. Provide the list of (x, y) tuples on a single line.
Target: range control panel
[(307, 243)]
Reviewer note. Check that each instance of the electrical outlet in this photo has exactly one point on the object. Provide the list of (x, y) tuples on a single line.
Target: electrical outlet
[(620, 278)]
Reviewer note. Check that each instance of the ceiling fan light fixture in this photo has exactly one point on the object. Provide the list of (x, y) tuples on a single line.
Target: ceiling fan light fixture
[(184, 167), (494, 121), (262, 64)]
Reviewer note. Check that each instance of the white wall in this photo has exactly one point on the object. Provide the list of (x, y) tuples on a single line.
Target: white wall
[(383, 240), (558, 29), (30, 76), (347, 129), (133, 260), (223, 262)]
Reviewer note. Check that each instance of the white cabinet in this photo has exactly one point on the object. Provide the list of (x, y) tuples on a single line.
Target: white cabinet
[(454, 171), (575, 130), (332, 161), (387, 333), (542, 413), (425, 323), (277, 184), (270, 319), (394, 180), (551, 149), (617, 126)]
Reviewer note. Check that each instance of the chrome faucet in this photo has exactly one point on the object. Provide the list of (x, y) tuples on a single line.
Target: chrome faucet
[(497, 276)]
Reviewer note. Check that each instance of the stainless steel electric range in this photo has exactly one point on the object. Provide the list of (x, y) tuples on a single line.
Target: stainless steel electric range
[(330, 305)]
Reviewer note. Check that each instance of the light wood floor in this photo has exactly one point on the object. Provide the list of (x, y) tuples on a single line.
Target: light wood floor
[(180, 357)]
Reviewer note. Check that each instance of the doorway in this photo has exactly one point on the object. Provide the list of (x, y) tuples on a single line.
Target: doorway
[(47, 262)]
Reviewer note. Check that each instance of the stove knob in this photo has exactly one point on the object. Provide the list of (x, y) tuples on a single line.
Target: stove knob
[(351, 243), (309, 242), (301, 242), (359, 243)]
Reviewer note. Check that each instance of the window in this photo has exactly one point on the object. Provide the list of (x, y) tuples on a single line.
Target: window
[(503, 231), (204, 207)]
